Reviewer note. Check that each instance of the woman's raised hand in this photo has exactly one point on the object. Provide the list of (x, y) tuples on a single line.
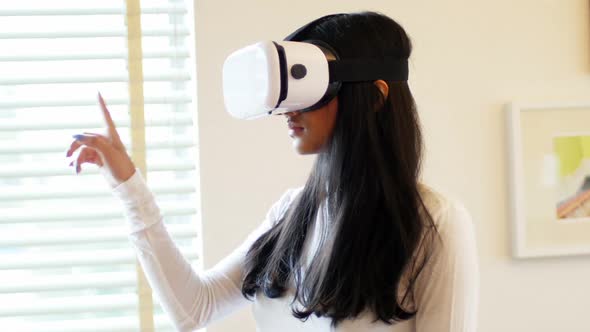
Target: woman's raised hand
[(106, 151)]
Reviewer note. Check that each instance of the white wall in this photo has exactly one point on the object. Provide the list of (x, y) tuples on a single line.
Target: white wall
[(470, 58)]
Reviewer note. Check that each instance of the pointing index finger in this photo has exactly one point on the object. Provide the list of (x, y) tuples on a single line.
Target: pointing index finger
[(112, 130), (105, 113)]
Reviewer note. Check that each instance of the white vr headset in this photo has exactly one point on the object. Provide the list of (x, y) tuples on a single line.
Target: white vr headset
[(277, 77)]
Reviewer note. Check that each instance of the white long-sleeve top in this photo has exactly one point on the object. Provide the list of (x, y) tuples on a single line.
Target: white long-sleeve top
[(446, 291)]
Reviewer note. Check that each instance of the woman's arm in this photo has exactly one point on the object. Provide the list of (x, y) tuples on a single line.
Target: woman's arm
[(447, 290), (191, 299)]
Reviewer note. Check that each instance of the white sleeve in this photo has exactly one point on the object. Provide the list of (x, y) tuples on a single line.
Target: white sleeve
[(191, 299), (447, 289)]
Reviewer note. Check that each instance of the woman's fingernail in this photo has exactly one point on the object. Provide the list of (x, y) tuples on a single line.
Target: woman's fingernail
[(79, 137)]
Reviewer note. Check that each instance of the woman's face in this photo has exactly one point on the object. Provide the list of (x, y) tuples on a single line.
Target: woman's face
[(311, 130)]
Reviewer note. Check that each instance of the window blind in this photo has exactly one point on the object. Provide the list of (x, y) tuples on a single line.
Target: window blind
[(65, 260)]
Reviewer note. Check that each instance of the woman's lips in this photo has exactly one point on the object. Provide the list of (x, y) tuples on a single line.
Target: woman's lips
[(295, 129)]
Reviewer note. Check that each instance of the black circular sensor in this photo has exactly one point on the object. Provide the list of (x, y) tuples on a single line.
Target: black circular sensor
[(298, 71)]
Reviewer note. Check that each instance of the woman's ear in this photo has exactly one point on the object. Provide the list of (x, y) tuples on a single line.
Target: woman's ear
[(383, 87)]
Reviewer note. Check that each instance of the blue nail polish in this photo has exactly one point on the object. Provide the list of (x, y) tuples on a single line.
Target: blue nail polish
[(78, 137)]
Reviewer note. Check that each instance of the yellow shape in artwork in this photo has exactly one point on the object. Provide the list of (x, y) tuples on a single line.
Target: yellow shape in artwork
[(571, 151)]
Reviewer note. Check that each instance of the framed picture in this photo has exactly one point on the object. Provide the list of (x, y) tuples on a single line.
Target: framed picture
[(549, 162)]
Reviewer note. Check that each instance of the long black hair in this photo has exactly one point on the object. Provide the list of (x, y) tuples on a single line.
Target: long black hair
[(366, 181)]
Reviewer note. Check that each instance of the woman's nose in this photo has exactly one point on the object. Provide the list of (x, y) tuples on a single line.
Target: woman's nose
[(291, 114)]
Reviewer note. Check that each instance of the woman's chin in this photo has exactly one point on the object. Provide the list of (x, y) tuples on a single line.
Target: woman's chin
[(301, 148)]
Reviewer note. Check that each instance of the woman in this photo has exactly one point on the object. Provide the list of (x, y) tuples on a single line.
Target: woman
[(363, 246)]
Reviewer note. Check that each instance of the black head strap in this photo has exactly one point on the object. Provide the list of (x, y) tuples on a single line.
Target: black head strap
[(358, 70)]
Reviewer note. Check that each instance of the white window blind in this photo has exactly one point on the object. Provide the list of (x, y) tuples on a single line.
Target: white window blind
[(65, 260)]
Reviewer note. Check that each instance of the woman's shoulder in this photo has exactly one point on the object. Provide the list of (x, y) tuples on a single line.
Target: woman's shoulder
[(446, 210)]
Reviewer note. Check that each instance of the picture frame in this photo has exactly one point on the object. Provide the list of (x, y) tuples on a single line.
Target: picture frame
[(548, 150)]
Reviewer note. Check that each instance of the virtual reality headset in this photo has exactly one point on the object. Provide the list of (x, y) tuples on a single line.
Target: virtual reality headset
[(275, 77)]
